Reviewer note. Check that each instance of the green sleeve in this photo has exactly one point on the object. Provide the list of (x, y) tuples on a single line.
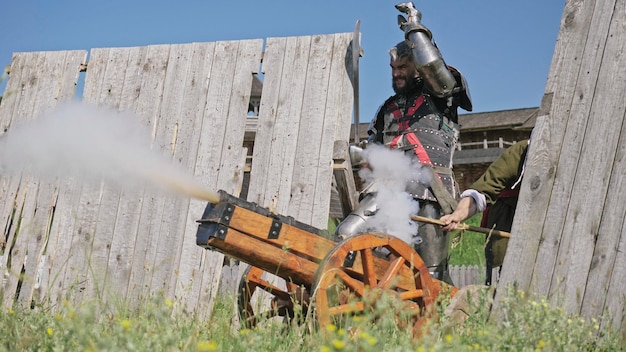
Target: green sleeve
[(503, 172)]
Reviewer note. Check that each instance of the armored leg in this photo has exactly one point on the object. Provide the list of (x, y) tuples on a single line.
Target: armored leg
[(431, 242), (434, 245)]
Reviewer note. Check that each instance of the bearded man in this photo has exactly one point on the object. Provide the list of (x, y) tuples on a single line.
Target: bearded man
[(420, 119)]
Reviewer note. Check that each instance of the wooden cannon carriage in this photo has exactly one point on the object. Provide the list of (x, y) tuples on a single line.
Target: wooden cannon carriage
[(312, 264)]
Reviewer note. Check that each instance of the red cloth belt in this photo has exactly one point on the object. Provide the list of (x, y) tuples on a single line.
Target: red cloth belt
[(506, 193)]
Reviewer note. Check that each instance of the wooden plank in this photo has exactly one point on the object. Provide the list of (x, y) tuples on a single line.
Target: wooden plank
[(75, 272), (57, 250), (57, 79), (21, 65), (26, 189), (108, 96), (184, 282), (285, 63), (608, 108), (310, 151), (340, 101), (344, 177), (575, 111), (229, 176), (607, 275), (19, 243), (614, 304), (540, 188), (272, 67), (46, 88), (338, 117), (147, 107), (20, 85), (167, 237), (9, 96), (126, 215), (584, 169), (71, 241)]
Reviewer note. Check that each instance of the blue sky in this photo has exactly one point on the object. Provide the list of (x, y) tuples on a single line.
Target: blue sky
[(504, 48)]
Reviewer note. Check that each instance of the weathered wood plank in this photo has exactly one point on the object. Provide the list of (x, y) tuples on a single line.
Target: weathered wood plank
[(272, 67), (297, 125), (311, 153), (19, 97), (570, 231), (59, 86), (338, 118), (524, 256), (109, 96), (574, 109), (20, 79), (47, 83), (147, 107), (19, 244), (167, 237), (344, 177), (127, 212), (608, 108), (37, 210), (285, 63), (9, 96), (75, 271), (61, 248), (229, 176), (607, 275), (184, 282), (586, 169)]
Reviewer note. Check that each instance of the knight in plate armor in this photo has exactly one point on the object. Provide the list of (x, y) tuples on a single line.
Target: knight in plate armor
[(421, 120)]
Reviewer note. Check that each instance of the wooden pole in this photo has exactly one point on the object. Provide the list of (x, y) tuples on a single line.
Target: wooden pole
[(462, 226)]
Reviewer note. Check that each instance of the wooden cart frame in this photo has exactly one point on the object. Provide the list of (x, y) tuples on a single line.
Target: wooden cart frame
[(311, 263)]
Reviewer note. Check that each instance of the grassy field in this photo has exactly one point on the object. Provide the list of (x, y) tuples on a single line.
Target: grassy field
[(157, 325)]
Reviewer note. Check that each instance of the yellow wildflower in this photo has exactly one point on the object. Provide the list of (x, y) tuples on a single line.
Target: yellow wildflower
[(206, 346), (338, 344)]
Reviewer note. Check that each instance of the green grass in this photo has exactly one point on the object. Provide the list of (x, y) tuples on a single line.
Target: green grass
[(468, 247), (157, 325)]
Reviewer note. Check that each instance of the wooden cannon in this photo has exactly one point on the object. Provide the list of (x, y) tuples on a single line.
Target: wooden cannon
[(314, 265)]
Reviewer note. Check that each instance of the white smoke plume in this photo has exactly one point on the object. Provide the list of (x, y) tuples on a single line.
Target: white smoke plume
[(390, 170), (87, 142)]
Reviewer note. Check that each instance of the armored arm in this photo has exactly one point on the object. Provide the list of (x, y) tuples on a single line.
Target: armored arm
[(426, 56)]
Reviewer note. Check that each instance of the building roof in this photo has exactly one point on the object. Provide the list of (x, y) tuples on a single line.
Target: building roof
[(516, 119), (496, 120)]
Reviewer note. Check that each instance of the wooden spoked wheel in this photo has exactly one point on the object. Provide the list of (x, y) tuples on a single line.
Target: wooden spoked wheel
[(353, 273), (261, 298)]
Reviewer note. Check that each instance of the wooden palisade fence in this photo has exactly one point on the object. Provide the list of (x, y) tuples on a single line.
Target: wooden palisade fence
[(98, 240), (568, 241)]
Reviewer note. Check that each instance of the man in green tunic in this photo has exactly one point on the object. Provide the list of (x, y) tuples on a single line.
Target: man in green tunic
[(495, 194)]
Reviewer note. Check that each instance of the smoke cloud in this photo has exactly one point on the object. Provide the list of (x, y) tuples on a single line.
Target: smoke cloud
[(88, 142), (390, 170)]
